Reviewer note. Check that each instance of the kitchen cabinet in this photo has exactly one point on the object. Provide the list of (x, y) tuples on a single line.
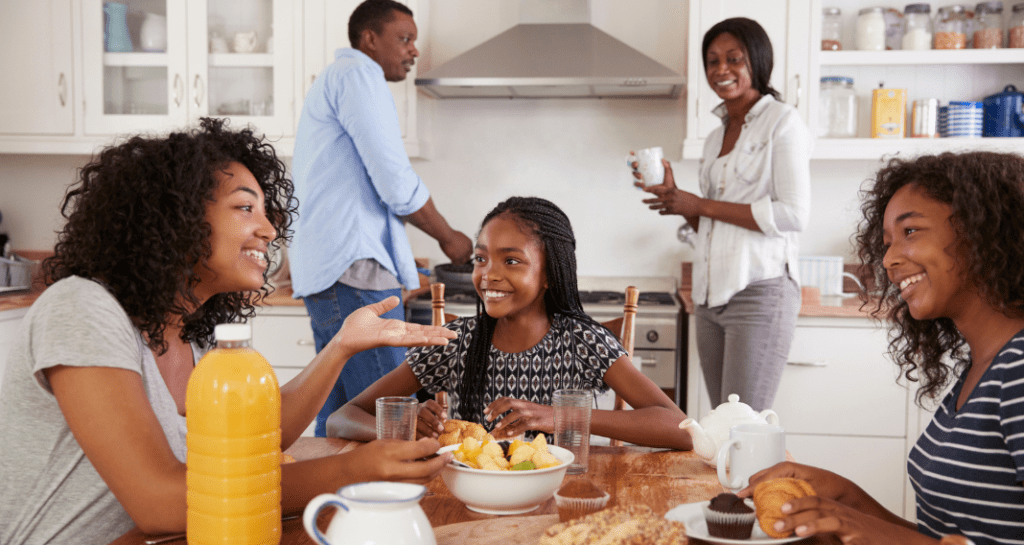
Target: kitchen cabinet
[(794, 28), (283, 335), (10, 322), (37, 95), (168, 88), (326, 30), (784, 21), (839, 403)]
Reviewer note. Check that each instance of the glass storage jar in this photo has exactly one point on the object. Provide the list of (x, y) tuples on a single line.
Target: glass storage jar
[(871, 29), (988, 25), (831, 30), (918, 21), (1015, 28), (951, 28), (838, 108)]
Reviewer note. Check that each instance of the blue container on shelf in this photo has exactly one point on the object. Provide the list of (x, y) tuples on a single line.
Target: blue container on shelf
[(964, 119), (1004, 113), (115, 33)]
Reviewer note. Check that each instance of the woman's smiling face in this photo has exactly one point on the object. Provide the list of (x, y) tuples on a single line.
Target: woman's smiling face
[(509, 270), (921, 255), (728, 68)]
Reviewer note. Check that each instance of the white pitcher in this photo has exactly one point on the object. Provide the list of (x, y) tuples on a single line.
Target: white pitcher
[(381, 513), (245, 42)]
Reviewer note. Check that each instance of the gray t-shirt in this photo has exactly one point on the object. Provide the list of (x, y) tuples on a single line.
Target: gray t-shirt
[(50, 491)]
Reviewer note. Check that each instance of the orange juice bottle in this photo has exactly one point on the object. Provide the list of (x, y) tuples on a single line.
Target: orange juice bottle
[(233, 415)]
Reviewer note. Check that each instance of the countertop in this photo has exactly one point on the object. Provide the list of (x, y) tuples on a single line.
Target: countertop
[(813, 304)]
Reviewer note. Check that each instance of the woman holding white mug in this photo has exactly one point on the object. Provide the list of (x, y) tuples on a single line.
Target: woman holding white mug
[(756, 192)]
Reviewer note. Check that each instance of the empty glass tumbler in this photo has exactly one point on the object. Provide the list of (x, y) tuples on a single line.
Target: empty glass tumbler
[(572, 425)]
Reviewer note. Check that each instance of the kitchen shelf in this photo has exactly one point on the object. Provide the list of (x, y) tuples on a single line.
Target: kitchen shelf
[(919, 58), (135, 59), (864, 148), (241, 60)]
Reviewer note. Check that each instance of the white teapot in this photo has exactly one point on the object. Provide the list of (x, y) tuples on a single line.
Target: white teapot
[(374, 513), (713, 430)]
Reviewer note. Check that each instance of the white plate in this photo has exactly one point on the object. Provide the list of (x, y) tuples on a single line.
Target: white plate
[(692, 515)]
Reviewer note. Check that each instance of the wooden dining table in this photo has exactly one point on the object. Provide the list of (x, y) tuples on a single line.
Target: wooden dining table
[(632, 475)]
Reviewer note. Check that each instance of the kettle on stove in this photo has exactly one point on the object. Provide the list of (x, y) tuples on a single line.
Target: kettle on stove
[(1004, 113)]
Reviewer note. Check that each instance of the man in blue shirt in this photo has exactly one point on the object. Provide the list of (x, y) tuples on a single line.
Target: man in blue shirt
[(356, 188)]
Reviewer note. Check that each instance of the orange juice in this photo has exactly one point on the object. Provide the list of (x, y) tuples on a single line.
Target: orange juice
[(233, 415)]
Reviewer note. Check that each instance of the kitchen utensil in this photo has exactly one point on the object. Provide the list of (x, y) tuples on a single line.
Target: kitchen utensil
[(1004, 113), (505, 492), (750, 448), (713, 430), (153, 34), (115, 35), (648, 164), (382, 513), (455, 277), (245, 42)]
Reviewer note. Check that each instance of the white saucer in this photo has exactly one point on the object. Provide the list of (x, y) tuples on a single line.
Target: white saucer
[(692, 515)]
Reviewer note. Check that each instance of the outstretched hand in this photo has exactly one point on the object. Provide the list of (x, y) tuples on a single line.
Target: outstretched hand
[(524, 416), (365, 329)]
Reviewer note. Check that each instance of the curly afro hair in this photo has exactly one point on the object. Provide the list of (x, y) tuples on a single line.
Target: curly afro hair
[(136, 221), (985, 191)]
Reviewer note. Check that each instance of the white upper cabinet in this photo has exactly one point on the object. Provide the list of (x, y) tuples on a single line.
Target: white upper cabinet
[(37, 91), (789, 75), (326, 30), (187, 59)]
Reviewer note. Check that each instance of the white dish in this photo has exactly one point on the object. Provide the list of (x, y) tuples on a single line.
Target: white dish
[(692, 515)]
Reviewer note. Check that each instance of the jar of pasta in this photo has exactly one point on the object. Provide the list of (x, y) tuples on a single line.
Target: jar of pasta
[(951, 28), (831, 30), (1015, 28), (988, 25), (918, 24)]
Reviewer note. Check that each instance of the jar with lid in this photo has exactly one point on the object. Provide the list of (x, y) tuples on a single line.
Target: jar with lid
[(1015, 28), (871, 29), (918, 21), (838, 108), (988, 25), (951, 28), (831, 30)]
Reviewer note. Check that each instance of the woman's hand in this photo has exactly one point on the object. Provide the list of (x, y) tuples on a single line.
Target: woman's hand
[(365, 329), (430, 422), (813, 515), (524, 417), (395, 460), (825, 483)]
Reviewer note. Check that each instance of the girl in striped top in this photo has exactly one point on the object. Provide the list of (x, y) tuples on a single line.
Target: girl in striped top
[(943, 237)]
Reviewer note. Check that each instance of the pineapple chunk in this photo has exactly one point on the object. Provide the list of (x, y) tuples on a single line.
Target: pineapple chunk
[(515, 444), (540, 443), (545, 459), (493, 450), (524, 452)]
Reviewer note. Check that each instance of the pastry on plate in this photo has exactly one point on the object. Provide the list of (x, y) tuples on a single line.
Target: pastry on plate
[(769, 496)]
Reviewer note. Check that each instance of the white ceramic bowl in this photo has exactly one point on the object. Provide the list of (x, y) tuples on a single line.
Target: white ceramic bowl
[(505, 492)]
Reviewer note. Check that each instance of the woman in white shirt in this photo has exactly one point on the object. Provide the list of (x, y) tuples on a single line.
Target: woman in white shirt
[(755, 185)]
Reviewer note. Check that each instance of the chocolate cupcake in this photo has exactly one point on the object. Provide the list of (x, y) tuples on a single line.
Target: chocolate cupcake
[(729, 516), (578, 498)]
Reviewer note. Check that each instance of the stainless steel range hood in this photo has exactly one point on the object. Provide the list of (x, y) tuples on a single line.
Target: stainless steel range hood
[(552, 60)]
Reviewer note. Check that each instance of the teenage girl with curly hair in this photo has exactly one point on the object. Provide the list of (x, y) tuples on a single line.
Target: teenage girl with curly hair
[(943, 238), (165, 238), (529, 338)]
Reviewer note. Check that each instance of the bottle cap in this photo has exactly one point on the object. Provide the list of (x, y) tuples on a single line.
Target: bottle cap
[(232, 332)]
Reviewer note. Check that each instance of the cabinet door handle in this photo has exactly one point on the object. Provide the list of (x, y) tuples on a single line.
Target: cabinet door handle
[(62, 83), (199, 89), (178, 90), (305, 342), (808, 363), (799, 90)]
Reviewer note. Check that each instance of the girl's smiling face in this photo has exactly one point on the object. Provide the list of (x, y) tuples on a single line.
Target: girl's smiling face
[(921, 255), (239, 234), (509, 270)]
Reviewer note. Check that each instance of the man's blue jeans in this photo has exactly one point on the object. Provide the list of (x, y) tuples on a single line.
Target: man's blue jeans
[(327, 311)]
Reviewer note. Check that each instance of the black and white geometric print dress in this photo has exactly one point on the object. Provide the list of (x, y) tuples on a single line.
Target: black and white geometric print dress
[(573, 354)]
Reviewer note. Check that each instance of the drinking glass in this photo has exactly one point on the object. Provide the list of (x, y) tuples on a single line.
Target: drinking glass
[(572, 425), (396, 417)]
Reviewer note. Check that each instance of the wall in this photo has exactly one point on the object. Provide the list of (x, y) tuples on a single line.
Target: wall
[(480, 151)]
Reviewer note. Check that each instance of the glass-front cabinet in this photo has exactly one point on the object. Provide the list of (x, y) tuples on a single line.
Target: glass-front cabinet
[(153, 65)]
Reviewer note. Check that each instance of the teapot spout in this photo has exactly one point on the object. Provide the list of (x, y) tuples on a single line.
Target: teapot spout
[(703, 445)]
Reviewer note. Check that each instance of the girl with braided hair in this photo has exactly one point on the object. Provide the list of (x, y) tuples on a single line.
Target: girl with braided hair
[(529, 338)]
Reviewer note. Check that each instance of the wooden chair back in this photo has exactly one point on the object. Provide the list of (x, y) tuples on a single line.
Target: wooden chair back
[(626, 328)]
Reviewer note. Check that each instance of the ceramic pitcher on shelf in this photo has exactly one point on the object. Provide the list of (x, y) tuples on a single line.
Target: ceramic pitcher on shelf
[(115, 33), (153, 34)]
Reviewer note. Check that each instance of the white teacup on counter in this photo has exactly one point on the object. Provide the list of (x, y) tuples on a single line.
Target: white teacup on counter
[(652, 171)]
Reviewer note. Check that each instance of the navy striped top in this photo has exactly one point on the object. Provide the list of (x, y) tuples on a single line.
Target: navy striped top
[(968, 467)]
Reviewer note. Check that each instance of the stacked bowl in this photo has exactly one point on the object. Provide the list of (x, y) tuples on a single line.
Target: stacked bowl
[(963, 119)]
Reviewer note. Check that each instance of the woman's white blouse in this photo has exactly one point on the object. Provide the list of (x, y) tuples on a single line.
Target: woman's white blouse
[(769, 169)]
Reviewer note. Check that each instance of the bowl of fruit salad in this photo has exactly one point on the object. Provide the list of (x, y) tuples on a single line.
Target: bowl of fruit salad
[(505, 478)]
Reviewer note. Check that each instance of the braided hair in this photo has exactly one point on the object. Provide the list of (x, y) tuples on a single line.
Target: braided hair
[(545, 221)]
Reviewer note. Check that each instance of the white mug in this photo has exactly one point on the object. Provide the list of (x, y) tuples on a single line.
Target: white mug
[(245, 42), (652, 171), (750, 448)]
